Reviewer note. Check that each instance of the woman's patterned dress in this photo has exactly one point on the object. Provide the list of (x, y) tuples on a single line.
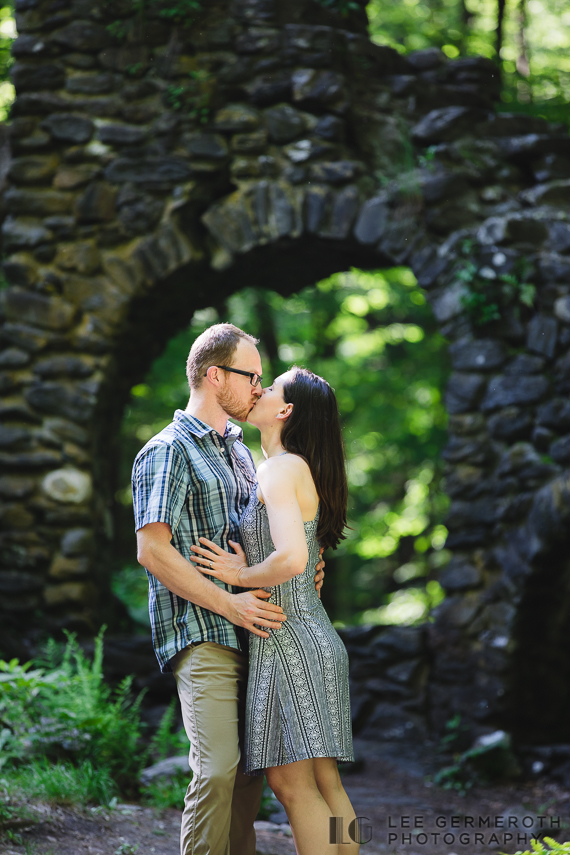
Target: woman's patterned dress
[(298, 704)]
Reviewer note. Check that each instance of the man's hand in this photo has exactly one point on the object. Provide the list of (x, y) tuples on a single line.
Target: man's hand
[(320, 573), (249, 609)]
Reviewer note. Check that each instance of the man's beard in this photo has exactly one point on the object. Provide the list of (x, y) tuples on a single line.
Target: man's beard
[(231, 405)]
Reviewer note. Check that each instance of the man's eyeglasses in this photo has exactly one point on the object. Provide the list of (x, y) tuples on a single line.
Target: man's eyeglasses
[(254, 379)]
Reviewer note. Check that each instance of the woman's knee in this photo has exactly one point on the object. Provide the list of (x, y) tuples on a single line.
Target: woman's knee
[(290, 784), (279, 784), (327, 775)]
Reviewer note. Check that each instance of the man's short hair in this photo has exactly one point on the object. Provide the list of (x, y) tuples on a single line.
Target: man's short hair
[(215, 346)]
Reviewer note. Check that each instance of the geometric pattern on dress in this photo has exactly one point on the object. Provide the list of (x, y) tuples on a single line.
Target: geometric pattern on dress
[(298, 702)]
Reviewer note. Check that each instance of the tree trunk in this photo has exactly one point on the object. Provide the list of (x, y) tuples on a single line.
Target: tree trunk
[(499, 30), (523, 64), (467, 18), (267, 334)]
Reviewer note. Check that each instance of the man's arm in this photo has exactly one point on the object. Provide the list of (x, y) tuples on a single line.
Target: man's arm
[(156, 553)]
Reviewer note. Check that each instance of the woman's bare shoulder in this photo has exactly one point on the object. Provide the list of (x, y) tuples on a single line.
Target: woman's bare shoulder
[(289, 467)]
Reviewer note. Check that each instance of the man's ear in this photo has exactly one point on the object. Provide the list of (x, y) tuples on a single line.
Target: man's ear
[(213, 374)]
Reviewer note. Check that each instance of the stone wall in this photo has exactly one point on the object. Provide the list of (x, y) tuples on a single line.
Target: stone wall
[(157, 167)]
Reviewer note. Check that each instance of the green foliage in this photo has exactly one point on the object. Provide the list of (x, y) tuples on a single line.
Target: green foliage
[(458, 777), (166, 792), (488, 295), (65, 783), (131, 585), (490, 760), (126, 849), (134, 68), (7, 36), (65, 712), (342, 7), (118, 30), (193, 97), (168, 742), (11, 813), (454, 729), (174, 10), (174, 96), (269, 803), (538, 847), (67, 737)]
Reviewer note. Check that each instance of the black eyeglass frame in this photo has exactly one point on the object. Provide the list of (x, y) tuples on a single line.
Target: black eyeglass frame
[(250, 374)]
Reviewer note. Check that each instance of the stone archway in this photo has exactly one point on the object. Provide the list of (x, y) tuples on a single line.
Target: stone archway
[(157, 165)]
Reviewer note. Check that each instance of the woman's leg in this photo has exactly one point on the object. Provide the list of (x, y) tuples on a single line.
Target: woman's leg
[(295, 786), (330, 787)]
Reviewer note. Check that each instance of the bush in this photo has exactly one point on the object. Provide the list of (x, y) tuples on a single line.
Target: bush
[(64, 712)]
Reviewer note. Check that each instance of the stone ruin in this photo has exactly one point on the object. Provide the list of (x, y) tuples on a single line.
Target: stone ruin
[(156, 168)]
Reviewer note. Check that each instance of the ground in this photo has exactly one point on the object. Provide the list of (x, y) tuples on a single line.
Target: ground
[(390, 790)]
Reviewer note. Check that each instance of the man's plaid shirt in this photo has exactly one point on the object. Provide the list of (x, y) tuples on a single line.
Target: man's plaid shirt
[(198, 483)]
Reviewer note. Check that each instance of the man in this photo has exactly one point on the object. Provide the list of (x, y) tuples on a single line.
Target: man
[(194, 479)]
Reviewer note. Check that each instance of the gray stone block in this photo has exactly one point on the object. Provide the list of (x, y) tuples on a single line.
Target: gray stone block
[(34, 77), (560, 450), (503, 391), (168, 769), (524, 363), (447, 123), (562, 309), (464, 391), (284, 123), (52, 313), (542, 335), (372, 220), (460, 575), (58, 400), (477, 355), (510, 424), (555, 414), (67, 127), (77, 541), (117, 134), (83, 36), (148, 170)]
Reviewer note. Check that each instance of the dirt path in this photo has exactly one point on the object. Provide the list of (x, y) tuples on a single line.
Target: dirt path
[(390, 791)]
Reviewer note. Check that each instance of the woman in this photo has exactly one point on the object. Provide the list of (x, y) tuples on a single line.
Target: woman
[(298, 708)]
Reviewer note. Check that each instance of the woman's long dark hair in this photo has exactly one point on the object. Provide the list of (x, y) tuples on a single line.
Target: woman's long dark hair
[(313, 432)]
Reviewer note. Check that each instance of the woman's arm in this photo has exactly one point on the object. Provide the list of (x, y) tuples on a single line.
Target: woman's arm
[(277, 482)]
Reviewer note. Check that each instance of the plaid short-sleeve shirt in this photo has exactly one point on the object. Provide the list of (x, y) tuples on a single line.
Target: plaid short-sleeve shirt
[(199, 483)]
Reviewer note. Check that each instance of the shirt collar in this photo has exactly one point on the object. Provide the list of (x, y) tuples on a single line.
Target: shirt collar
[(200, 429)]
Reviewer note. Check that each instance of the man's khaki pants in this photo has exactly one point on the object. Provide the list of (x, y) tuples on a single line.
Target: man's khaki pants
[(221, 802)]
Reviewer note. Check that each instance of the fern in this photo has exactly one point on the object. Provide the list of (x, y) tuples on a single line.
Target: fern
[(553, 847), (70, 714)]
